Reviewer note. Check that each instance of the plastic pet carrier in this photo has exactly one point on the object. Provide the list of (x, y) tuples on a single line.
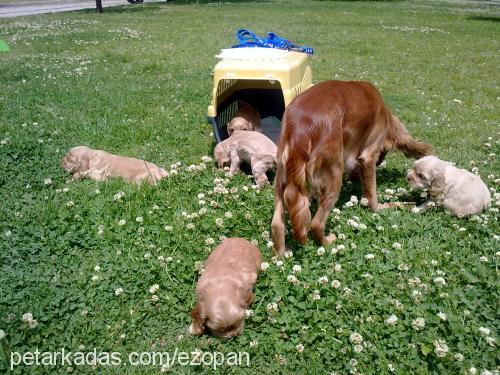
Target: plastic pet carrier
[(267, 79)]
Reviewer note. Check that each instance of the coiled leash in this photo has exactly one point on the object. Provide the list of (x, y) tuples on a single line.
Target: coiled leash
[(248, 39)]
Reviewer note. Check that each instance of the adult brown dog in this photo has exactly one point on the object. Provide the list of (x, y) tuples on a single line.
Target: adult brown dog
[(332, 127)]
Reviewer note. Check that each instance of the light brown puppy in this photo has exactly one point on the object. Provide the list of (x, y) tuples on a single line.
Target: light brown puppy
[(331, 127), (458, 190), (99, 165), (250, 147), (224, 290), (247, 118)]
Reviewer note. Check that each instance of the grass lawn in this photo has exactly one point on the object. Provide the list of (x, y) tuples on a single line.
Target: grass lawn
[(412, 294)]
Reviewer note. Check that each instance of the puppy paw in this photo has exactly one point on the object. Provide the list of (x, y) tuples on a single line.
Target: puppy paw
[(329, 239), (193, 330)]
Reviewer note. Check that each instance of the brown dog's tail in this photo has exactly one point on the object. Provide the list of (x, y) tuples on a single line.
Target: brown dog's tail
[(295, 194), (405, 143)]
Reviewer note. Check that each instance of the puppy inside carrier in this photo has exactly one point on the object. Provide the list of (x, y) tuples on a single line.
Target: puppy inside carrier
[(268, 79)]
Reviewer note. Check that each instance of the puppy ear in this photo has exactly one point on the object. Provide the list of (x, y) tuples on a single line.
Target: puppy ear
[(437, 184), (247, 298), (198, 317)]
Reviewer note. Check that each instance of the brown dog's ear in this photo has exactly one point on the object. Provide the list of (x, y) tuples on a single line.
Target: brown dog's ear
[(437, 184), (198, 317)]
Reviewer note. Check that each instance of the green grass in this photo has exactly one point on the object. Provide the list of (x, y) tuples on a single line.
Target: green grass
[(136, 81)]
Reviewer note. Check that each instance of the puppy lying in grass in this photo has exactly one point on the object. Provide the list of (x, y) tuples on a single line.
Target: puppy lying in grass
[(247, 118), (250, 147), (461, 192), (99, 165), (224, 290)]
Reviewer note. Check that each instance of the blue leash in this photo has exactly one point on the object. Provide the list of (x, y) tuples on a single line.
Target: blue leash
[(249, 39)]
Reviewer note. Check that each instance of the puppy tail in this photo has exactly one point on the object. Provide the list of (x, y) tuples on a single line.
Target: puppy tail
[(295, 194), (405, 143)]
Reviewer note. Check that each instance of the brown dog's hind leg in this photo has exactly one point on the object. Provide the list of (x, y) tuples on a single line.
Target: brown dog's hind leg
[(278, 222), (330, 182), (369, 181)]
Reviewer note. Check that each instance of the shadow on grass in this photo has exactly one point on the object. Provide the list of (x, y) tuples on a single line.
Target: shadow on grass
[(484, 18)]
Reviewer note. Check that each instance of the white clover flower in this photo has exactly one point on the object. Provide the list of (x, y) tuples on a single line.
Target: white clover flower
[(47, 181), (2, 334), (253, 343), (337, 267), (296, 268), (264, 266), (299, 348), (154, 288), (403, 267), (27, 317), (228, 215), (336, 284), (491, 341), (354, 199), (483, 259), (472, 370), (219, 222), (396, 245), (288, 254), (321, 251), (272, 307), (254, 242), (484, 331), (391, 320), (32, 323), (168, 228), (70, 203), (348, 204), (358, 348), (206, 159), (356, 338), (369, 256), (316, 295), (270, 244), (190, 226), (118, 291), (353, 362), (97, 268), (442, 316), (458, 357), (418, 324), (364, 202), (440, 348), (95, 278), (154, 298), (122, 222), (323, 280), (439, 281), (279, 264), (118, 196), (292, 279), (8, 233), (248, 313), (209, 241), (147, 256)]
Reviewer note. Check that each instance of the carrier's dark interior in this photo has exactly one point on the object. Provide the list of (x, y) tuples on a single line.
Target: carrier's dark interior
[(268, 102)]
